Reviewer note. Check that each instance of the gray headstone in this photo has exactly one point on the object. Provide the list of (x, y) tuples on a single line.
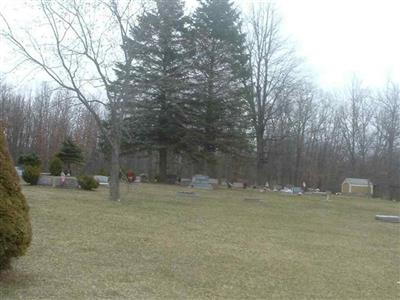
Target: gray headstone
[(252, 200), (187, 194), (55, 181), (297, 190), (385, 218), (71, 182), (213, 181), (201, 182), (45, 180), (185, 181), (238, 185)]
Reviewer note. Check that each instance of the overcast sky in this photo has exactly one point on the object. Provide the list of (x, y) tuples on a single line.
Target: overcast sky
[(337, 38)]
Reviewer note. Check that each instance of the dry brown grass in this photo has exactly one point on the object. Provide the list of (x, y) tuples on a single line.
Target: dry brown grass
[(155, 245)]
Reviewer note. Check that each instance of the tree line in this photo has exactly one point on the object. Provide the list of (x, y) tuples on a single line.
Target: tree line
[(214, 91)]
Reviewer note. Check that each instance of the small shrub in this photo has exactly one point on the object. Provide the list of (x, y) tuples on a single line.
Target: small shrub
[(31, 174), (56, 166), (87, 182)]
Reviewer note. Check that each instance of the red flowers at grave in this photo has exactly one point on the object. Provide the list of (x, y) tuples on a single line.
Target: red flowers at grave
[(131, 176)]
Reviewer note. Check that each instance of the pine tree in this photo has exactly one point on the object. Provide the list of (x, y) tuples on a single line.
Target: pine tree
[(70, 153), (220, 69), (15, 227), (157, 50)]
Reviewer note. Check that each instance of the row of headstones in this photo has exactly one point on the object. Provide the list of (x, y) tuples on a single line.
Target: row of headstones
[(58, 181), (66, 181), (207, 183)]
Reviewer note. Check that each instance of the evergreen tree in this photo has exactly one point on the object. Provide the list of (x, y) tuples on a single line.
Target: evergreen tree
[(157, 50), (29, 160), (15, 227), (220, 69), (70, 153), (56, 166)]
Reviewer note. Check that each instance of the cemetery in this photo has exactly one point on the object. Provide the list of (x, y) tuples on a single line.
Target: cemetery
[(198, 149), (169, 241)]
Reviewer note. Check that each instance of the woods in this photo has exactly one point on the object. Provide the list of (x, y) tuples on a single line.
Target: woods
[(214, 91)]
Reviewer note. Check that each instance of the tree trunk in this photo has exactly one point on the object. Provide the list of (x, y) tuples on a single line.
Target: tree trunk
[(211, 165), (162, 164), (260, 160), (150, 165), (299, 149), (114, 173), (115, 152)]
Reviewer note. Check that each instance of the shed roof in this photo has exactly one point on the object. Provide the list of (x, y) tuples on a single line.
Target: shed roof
[(357, 181)]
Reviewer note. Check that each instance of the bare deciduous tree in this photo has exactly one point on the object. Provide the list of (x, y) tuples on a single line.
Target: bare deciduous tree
[(273, 66), (78, 52), (388, 133), (356, 117)]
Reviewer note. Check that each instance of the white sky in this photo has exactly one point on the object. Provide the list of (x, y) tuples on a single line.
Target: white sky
[(337, 38), (342, 38)]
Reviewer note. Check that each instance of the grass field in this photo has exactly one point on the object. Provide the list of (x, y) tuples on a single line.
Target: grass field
[(155, 245)]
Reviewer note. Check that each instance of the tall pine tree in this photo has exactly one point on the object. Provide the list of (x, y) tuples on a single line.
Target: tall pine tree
[(157, 49), (220, 68)]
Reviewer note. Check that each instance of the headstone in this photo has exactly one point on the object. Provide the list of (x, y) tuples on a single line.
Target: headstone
[(187, 194), (45, 180), (71, 182), (185, 181), (286, 190), (297, 190), (252, 200), (102, 180), (55, 181), (201, 182), (239, 185), (19, 171), (386, 218), (213, 181), (144, 177), (328, 195)]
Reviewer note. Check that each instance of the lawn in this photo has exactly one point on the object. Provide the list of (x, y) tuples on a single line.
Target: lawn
[(157, 245)]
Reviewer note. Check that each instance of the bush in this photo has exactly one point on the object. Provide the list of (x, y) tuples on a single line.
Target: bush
[(15, 227), (31, 174), (56, 166), (87, 182)]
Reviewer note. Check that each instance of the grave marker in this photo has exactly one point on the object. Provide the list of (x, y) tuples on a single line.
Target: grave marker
[(187, 194), (252, 200), (385, 218), (102, 180), (201, 182)]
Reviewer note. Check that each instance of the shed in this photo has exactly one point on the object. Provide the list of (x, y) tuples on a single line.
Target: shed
[(357, 186)]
